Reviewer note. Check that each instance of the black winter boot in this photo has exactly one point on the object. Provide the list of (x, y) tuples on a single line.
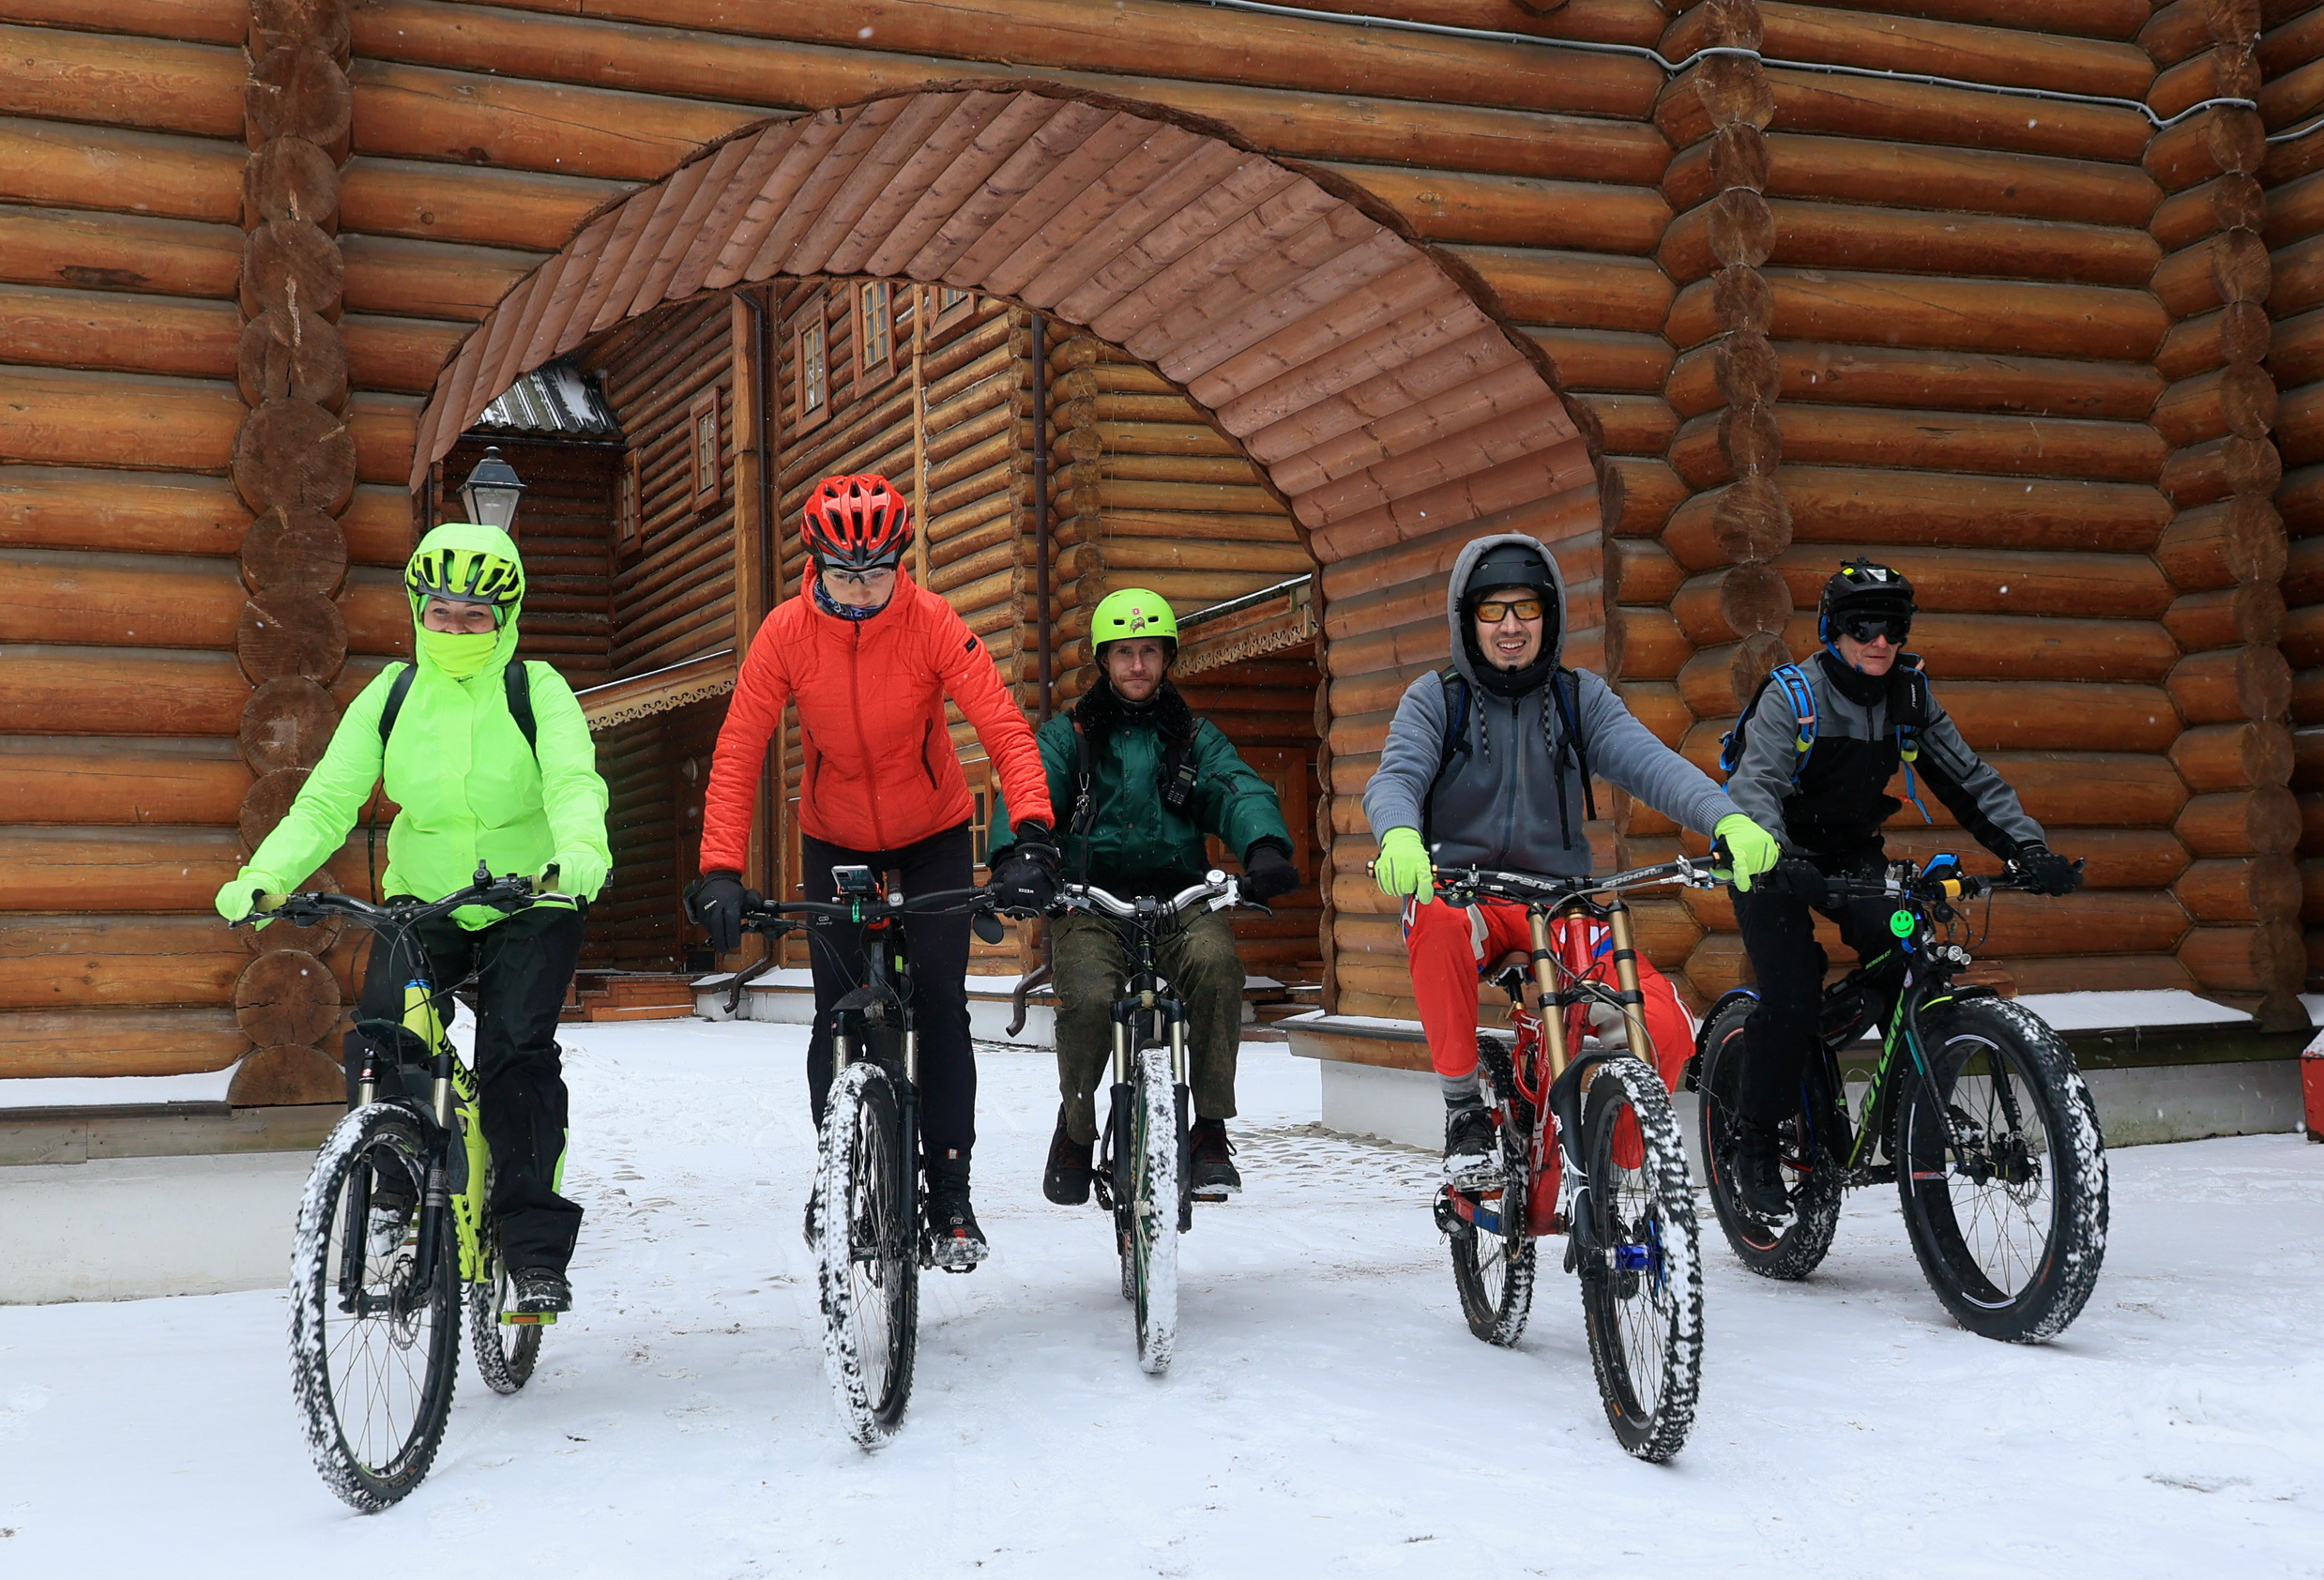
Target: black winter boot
[(955, 1243), (540, 1292), (1472, 1150), (1066, 1181), (1215, 1175), (1757, 1171)]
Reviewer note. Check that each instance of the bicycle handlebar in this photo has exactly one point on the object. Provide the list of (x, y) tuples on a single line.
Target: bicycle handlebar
[(772, 916), (507, 894), (1459, 884), (1896, 885), (1215, 892)]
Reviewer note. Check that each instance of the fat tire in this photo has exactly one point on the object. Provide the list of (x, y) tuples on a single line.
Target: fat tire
[(505, 1353), (867, 1205), (322, 1365), (1651, 1424), (1154, 1206), (1797, 1249), (1496, 1311), (2075, 1235)]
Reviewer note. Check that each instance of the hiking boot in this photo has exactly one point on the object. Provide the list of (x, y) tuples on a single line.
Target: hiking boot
[(955, 1243), (1215, 1176), (1758, 1173), (1065, 1180), (1472, 1150), (389, 1226), (540, 1292)]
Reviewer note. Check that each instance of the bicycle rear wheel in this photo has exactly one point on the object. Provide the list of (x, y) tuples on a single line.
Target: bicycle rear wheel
[(1812, 1176), (1151, 1249), (1493, 1256), (868, 1253), (2012, 1232), (374, 1336), (1642, 1291), (505, 1352)]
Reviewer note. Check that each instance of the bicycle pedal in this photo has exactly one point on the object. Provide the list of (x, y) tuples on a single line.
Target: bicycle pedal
[(528, 1319)]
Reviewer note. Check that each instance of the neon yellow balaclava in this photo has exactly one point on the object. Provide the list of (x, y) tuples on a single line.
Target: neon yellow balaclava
[(473, 563)]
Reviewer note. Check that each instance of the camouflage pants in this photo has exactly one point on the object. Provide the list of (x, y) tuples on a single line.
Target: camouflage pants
[(1200, 966)]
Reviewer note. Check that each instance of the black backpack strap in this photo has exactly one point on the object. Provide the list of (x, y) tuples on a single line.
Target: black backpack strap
[(1454, 744), (518, 680), (1568, 689), (395, 703)]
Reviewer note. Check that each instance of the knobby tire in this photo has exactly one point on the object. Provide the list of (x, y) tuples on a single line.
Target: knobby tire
[(867, 1255), (1813, 1176), (1154, 1208), (1493, 1268), (505, 1353)]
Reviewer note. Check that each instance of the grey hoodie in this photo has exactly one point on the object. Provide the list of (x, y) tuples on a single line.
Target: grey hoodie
[(1498, 804)]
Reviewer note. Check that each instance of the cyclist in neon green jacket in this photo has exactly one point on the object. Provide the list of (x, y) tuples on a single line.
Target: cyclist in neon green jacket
[(490, 766)]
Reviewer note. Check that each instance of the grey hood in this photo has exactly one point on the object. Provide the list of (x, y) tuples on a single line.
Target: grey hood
[(1457, 589)]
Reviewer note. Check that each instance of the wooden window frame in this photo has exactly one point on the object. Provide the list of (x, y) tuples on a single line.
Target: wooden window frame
[(810, 368), (705, 451), (870, 294), (629, 506), (951, 302)]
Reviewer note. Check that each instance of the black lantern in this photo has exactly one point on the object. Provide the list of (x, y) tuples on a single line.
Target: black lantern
[(490, 494)]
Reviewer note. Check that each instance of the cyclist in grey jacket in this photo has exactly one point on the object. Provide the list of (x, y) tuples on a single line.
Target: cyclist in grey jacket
[(1488, 763), (1870, 705)]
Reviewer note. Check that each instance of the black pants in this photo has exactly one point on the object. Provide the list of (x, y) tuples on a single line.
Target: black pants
[(1780, 936), (522, 967), (938, 947)]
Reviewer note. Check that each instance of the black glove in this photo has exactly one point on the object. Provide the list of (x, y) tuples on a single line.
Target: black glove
[(715, 901), (1026, 877), (2044, 870), (1797, 877), (1267, 872)]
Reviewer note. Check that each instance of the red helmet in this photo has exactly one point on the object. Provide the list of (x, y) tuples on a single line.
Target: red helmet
[(858, 522)]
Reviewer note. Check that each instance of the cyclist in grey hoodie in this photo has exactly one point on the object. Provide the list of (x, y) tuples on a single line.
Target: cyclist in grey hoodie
[(1488, 763)]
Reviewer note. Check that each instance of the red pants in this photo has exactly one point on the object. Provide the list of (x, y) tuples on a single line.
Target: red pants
[(1453, 949)]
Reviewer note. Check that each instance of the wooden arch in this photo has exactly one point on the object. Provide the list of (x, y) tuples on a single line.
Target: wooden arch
[(1370, 376)]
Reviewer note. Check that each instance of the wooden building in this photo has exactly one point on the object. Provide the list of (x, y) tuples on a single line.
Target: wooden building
[(1710, 296)]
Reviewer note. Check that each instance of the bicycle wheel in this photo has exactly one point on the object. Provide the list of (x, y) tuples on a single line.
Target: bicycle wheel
[(1494, 1257), (374, 1336), (1642, 1295), (505, 1352), (868, 1253), (1154, 1208), (1811, 1177), (2012, 1231)]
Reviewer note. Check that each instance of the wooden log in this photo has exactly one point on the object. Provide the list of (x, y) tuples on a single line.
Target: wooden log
[(2218, 468), (292, 24), (428, 278), (119, 252), (101, 690), (429, 200), (114, 330), (62, 961), (1840, 504), (94, 1043), (2295, 354), (1585, 290), (2023, 318), (71, 419), (1855, 107), (287, 724), (2296, 276), (290, 179), (291, 266), (1605, 359), (293, 454), (1822, 235), (127, 600), (2269, 958), (2300, 426), (2221, 141), (286, 1077), (2187, 27), (294, 550), (2231, 685), (2231, 267), (2242, 757), (1965, 381), (1720, 605), (1515, 210), (2228, 70), (1950, 47), (291, 633), (2229, 203), (2237, 540), (2261, 822), (1953, 178), (286, 997), (59, 163), (113, 869), (2232, 616), (2238, 332), (2240, 889), (281, 356), (1716, 681), (52, 779), (1708, 453)]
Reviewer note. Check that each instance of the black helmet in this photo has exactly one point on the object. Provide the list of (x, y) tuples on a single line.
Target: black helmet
[(1508, 565), (1863, 587)]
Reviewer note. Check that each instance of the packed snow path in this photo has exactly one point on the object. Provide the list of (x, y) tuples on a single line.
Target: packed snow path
[(1327, 1413)]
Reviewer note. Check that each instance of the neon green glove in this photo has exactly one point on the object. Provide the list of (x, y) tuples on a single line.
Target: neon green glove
[(580, 871), (237, 900), (1403, 866), (1752, 848)]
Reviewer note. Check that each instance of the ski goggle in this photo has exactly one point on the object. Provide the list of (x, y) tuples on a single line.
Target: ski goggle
[(1494, 610), (1872, 627)]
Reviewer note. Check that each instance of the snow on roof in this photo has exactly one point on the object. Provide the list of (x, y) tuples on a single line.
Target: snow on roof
[(554, 399)]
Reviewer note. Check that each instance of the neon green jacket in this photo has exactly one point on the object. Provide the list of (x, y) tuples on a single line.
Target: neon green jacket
[(468, 786)]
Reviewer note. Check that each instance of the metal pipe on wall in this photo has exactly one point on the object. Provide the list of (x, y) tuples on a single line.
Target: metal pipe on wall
[(1041, 512)]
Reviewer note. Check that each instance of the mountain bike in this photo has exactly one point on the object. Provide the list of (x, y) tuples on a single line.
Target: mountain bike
[(1976, 1112), (1608, 1169), (866, 1209), (1145, 1171), (394, 1235)]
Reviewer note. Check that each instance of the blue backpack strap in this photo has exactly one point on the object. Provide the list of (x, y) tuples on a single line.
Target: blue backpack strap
[(1908, 707), (1793, 681)]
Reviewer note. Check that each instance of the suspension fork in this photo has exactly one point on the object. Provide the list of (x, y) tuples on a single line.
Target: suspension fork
[(435, 1206)]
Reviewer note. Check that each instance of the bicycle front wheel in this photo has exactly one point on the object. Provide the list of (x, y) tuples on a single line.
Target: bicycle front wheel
[(375, 1335), (867, 1253), (1154, 1208), (1492, 1253), (1642, 1289), (2008, 1212)]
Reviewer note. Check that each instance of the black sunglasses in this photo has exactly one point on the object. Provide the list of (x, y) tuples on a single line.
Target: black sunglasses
[(1872, 627)]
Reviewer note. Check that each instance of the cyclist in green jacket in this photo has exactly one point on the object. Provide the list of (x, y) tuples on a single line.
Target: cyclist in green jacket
[(1146, 780), (472, 787)]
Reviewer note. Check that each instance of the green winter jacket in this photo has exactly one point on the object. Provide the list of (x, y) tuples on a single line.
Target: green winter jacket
[(457, 765), (1137, 844)]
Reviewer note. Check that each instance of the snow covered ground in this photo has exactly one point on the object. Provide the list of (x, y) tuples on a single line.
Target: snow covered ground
[(1327, 1413)]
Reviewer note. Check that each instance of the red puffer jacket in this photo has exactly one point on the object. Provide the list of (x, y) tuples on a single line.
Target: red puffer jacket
[(881, 772)]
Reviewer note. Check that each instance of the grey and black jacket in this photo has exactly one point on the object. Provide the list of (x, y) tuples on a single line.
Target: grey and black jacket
[(1496, 800), (1840, 799)]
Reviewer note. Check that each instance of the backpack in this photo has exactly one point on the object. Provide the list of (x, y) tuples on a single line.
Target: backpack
[(1906, 717), (517, 679), (1565, 691)]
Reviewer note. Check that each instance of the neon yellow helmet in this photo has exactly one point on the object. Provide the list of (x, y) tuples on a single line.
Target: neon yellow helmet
[(463, 575), (1133, 611)]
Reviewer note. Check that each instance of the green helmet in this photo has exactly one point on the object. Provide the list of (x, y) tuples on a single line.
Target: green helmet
[(1133, 611), (464, 576)]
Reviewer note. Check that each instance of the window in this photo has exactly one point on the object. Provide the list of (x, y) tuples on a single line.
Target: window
[(628, 508), (815, 390), (950, 301), (704, 454), (874, 326)]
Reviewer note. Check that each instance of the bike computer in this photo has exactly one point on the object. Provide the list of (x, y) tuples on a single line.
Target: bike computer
[(855, 880)]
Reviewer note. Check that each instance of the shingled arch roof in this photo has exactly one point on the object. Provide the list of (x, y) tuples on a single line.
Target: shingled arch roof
[(1370, 376)]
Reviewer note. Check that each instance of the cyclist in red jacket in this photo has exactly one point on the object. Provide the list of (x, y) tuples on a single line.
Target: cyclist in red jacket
[(869, 657)]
